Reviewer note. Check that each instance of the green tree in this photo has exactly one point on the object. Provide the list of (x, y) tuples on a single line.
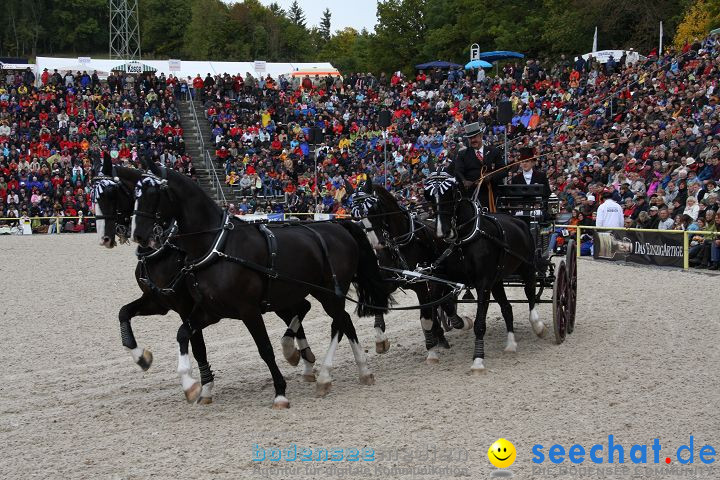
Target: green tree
[(207, 33), (400, 33), (163, 25), (296, 15), (325, 32)]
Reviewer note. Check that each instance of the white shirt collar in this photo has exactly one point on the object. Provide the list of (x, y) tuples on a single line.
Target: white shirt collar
[(528, 176)]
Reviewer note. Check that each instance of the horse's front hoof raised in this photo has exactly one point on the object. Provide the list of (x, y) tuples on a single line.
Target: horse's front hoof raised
[(145, 360)]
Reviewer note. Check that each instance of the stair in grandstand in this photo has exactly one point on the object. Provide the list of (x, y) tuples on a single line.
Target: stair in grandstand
[(193, 146)]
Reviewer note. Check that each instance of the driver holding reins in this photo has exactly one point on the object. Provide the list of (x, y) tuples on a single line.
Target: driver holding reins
[(478, 160)]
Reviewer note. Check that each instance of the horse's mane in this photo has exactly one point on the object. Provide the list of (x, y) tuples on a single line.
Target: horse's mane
[(187, 185)]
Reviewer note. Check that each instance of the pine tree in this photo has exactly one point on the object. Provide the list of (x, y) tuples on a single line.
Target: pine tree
[(296, 15), (325, 25)]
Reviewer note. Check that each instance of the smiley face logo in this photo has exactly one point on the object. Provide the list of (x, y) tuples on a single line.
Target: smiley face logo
[(502, 453)]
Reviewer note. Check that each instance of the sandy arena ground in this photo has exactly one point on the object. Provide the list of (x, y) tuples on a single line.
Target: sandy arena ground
[(642, 364)]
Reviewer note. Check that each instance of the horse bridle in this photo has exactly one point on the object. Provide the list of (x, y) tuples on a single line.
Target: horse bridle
[(121, 218), (153, 180)]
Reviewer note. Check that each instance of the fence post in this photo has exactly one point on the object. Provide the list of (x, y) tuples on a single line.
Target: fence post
[(686, 250), (57, 225), (577, 242)]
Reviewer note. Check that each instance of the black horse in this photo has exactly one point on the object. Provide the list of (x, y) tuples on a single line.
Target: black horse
[(276, 267), (113, 198), (403, 242), (490, 247)]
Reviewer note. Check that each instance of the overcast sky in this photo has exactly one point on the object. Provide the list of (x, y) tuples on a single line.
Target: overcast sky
[(358, 14)]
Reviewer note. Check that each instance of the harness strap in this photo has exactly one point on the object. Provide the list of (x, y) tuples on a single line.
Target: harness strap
[(323, 245), (272, 256)]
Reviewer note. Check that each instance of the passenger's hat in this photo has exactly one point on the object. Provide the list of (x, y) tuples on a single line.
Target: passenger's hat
[(473, 129), (527, 153)]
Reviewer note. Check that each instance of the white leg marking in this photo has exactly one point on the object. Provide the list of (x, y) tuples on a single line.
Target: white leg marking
[(360, 358), (537, 325), (324, 376), (372, 238), (206, 391), (136, 353), (433, 356), (307, 368), (99, 225), (281, 402), (288, 346), (426, 323), (294, 324), (379, 335), (478, 365), (185, 371), (511, 345)]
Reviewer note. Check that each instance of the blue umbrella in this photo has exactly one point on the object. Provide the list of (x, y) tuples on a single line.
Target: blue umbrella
[(499, 55), (478, 64), (436, 64)]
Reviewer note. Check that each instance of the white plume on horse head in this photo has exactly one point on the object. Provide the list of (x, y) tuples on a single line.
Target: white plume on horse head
[(362, 203), (148, 180), (99, 186), (437, 183)]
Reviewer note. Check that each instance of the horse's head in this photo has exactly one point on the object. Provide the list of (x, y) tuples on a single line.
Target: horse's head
[(113, 203), (367, 208), (153, 207), (442, 193)]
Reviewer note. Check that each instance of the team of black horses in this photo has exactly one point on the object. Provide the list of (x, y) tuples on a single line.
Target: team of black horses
[(195, 259)]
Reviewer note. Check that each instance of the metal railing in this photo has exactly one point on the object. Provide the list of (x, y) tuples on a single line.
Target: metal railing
[(16, 223), (685, 233), (212, 175)]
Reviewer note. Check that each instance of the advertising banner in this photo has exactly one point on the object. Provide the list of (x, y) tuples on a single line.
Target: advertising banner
[(645, 248)]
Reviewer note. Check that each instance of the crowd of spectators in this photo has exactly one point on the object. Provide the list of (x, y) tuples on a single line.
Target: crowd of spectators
[(54, 128), (646, 129)]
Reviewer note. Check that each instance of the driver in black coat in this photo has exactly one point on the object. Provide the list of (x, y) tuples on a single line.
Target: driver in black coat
[(476, 161), (529, 175)]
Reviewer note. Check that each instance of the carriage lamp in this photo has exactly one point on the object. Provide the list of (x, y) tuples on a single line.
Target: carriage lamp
[(553, 204)]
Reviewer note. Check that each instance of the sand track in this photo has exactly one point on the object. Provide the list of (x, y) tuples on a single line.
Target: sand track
[(641, 364)]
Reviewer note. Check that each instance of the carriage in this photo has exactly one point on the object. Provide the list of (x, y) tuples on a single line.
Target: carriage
[(528, 203)]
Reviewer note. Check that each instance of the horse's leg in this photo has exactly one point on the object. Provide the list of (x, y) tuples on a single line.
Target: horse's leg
[(498, 292), (293, 317), (191, 387), (256, 327), (342, 324), (457, 322), (382, 344), (529, 278), (428, 322), (207, 379), (478, 366), (144, 305)]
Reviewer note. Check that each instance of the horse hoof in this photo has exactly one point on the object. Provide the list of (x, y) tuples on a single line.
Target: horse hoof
[(540, 329), (467, 324), (478, 371), (309, 377), (145, 360), (432, 360), (511, 348), (192, 393), (382, 347), (368, 379), (280, 403), (322, 389), (204, 400), (294, 358)]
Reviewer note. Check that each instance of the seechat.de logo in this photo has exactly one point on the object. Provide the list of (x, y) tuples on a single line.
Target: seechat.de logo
[(618, 453)]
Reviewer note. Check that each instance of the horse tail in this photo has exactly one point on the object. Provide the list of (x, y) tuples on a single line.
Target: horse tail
[(373, 294)]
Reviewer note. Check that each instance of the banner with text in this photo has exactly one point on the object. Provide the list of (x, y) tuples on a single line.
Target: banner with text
[(645, 248)]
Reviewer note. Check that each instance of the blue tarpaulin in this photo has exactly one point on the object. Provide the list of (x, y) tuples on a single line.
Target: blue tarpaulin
[(437, 64), (499, 55)]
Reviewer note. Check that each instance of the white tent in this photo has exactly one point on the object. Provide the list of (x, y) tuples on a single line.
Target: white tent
[(602, 56), (179, 69)]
